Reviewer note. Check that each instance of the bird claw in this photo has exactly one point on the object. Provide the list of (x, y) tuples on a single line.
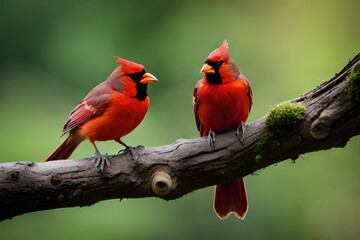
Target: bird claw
[(212, 139), (133, 151), (101, 161), (240, 132)]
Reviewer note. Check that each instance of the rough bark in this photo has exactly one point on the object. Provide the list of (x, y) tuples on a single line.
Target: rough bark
[(169, 172)]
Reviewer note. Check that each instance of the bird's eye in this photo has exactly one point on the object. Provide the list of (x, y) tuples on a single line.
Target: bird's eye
[(132, 76), (136, 76), (216, 65)]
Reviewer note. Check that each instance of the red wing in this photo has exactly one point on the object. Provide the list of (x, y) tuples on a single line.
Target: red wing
[(91, 106), (196, 101), (203, 131), (249, 93), (241, 77)]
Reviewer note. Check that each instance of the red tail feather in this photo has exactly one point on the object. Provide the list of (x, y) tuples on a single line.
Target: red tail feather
[(65, 149), (231, 197)]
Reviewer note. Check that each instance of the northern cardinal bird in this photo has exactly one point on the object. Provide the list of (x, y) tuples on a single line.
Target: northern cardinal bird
[(222, 102), (111, 110)]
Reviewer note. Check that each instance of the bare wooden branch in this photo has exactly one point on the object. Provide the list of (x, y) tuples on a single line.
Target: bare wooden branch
[(171, 171)]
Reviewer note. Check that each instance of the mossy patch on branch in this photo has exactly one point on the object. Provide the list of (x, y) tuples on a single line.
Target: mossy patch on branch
[(353, 85), (282, 116)]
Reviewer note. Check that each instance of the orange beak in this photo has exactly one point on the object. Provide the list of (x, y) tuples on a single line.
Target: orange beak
[(148, 78), (206, 68)]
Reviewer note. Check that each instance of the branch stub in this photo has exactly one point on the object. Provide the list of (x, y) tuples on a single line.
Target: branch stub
[(161, 183)]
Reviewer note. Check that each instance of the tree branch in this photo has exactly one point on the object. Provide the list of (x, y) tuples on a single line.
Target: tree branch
[(171, 171)]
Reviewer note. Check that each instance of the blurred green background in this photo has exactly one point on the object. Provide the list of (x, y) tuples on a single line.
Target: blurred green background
[(53, 52)]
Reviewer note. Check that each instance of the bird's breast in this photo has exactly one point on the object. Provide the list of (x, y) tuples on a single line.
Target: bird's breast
[(223, 107), (122, 115)]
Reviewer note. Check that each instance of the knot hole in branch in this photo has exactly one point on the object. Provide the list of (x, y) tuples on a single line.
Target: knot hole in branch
[(161, 183), (321, 126)]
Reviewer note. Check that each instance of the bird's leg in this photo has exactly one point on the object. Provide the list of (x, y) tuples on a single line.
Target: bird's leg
[(132, 150), (100, 160), (240, 132), (122, 143), (212, 139)]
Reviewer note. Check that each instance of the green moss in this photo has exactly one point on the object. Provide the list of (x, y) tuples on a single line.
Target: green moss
[(267, 140), (284, 115), (353, 85), (280, 117)]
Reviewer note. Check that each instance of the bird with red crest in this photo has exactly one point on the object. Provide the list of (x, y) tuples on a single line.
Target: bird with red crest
[(110, 111), (222, 102)]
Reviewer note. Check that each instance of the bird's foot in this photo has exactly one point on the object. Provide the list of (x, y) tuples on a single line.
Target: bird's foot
[(134, 151), (240, 132), (212, 139), (101, 161)]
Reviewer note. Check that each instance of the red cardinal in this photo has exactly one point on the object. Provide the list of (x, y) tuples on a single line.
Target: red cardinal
[(111, 110), (222, 102)]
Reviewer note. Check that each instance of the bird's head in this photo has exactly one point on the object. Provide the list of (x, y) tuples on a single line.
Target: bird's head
[(135, 71), (219, 66), (134, 78)]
